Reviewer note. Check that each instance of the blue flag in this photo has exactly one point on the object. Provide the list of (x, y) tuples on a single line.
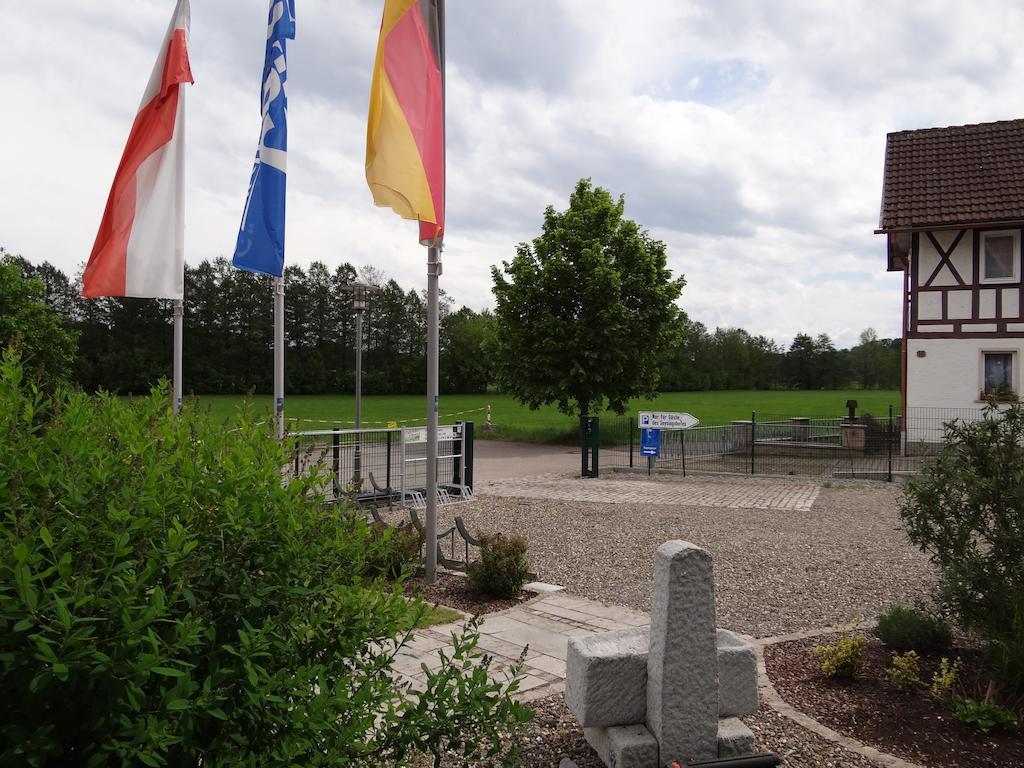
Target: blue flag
[(260, 246)]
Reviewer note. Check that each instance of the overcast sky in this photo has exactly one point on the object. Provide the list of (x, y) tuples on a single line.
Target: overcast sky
[(747, 135)]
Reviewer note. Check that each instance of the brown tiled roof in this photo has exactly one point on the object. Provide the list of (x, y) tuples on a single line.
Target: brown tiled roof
[(965, 174)]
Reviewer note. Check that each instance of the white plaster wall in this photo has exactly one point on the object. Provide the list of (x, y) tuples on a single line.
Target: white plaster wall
[(962, 258), (959, 304), (948, 376), (929, 305), (1011, 302), (987, 303)]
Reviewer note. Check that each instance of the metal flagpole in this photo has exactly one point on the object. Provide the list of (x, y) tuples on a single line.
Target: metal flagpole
[(279, 356), (360, 303), (179, 314), (357, 475), (433, 272)]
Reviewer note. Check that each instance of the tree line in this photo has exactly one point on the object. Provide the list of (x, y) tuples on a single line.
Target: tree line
[(124, 344), (731, 358)]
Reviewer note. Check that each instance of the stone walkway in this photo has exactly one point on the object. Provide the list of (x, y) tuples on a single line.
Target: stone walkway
[(543, 626), (737, 494)]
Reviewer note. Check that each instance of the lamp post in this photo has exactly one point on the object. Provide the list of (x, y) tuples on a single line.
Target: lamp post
[(360, 301)]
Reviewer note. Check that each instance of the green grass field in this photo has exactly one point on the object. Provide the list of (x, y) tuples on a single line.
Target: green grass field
[(518, 422)]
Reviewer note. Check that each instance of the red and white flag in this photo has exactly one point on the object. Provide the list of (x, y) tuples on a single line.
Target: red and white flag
[(140, 248)]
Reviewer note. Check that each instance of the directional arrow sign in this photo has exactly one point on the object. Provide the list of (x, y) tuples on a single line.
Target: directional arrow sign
[(650, 442), (666, 420)]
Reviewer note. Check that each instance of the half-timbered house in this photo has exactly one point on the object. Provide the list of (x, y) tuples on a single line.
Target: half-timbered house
[(953, 214)]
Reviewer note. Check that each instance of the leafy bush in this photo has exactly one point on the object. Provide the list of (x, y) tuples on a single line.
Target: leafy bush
[(984, 716), (905, 669), (965, 510), (945, 678), (843, 658), (904, 629), (32, 327), (1006, 652), (165, 599), (502, 568), (393, 551)]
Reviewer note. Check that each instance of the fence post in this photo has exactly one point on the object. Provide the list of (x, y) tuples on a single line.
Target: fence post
[(387, 472), (467, 454), (336, 460), (584, 447), (457, 458), (682, 448), (753, 433), (401, 460), (630, 442), (590, 437), (889, 434)]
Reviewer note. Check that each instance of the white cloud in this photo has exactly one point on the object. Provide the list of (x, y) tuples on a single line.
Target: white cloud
[(746, 135)]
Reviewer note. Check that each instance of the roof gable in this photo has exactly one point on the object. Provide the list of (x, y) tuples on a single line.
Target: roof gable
[(965, 174)]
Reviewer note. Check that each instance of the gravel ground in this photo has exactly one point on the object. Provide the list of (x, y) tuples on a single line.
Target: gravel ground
[(554, 734), (798, 747), (776, 572)]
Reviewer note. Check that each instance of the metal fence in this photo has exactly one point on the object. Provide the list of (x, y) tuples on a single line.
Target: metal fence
[(829, 446), (385, 465), (926, 426)]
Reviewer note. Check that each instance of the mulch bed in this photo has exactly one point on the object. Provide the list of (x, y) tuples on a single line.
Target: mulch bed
[(907, 722), (456, 592)]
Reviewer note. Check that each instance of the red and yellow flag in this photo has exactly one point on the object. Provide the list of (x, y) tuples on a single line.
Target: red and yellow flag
[(405, 132)]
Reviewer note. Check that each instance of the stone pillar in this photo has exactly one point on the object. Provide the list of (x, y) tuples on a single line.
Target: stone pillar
[(853, 437), (800, 429), (682, 669), (741, 431)]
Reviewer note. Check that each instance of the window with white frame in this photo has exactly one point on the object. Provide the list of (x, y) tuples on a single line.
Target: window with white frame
[(997, 374), (1000, 256)]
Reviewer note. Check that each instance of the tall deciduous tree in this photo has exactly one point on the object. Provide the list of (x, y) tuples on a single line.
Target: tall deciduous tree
[(466, 342), (26, 322), (585, 313)]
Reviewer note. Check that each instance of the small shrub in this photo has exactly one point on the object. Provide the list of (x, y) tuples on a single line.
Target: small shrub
[(964, 510), (502, 568), (1005, 656), (945, 678), (984, 716), (905, 669), (393, 551), (910, 629), (844, 658)]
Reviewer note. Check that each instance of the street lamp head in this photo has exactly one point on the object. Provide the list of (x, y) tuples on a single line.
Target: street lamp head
[(360, 295)]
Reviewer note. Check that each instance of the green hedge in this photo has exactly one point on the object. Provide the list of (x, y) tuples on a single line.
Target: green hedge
[(166, 598)]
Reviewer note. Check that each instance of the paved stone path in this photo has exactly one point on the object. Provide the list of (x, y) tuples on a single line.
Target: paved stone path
[(543, 626), (738, 494)]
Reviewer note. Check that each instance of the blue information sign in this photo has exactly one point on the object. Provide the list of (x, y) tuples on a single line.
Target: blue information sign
[(650, 442)]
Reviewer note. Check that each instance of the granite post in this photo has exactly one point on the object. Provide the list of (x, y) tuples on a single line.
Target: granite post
[(682, 668)]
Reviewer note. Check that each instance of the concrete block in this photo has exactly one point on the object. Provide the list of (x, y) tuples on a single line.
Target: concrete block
[(682, 663), (734, 738), (631, 746), (737, 675), (624, 746), (598, 739), (606, 678)]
